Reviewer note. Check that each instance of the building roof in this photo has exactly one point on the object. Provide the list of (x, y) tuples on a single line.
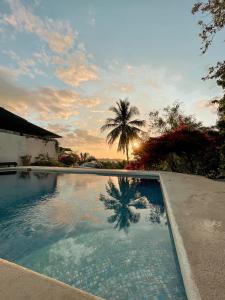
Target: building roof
[(12, 122)]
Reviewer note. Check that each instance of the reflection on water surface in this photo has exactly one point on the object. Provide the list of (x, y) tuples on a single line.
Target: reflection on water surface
[(106, 235)]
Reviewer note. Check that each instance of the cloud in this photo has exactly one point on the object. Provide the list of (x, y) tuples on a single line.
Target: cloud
[(123, 87), (81, 140), (85, 137), (92, 18), (70, 61), (26, 66), (57, 34), (84, 141), (73, 69), (43, 57), (60, 128), (99, 111), (207, 104), (153, 84), (7, 73), (47, 102), (76, 138), (77, 70)]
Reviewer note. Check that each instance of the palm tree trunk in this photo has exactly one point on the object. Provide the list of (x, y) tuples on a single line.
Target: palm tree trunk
[(127, 152)]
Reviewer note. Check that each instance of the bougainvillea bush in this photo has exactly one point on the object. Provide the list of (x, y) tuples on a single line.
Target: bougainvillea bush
[(184, 149)]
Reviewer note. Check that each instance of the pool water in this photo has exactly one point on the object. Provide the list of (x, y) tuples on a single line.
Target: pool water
[(106, 235)]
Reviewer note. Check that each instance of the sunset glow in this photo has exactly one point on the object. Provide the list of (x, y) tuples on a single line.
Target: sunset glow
[(63, 65), (136, 145)]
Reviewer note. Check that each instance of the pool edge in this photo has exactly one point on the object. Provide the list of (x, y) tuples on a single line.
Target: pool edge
[(185, 267), (196, 286), (17, 282), (190, 287)]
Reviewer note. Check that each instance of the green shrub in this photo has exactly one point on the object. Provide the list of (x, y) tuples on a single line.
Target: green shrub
[(45, 160)]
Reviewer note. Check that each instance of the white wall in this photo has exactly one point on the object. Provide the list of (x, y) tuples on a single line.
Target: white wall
[(13, 146)]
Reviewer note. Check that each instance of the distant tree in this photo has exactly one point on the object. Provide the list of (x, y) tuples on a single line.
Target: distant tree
[(67, 156), (64, 151), (169, 118), (68, 159), (123, 126), (113, 164), (85, 157)]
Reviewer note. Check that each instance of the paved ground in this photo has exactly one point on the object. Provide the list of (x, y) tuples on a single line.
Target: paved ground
[(17, 283), (196, 207), (196, 210)]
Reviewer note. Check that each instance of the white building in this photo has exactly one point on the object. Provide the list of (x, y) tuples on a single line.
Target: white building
[(19, 138)]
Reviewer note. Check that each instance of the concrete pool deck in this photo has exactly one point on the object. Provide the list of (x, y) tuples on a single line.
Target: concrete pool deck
[(195, 208), (18, 283)]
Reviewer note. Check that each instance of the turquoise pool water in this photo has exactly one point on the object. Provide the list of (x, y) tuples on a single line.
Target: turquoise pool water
[(106, 235)]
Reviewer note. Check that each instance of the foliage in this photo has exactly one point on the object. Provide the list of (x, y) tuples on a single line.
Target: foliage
[(123, 126), (84, 157), (213, 12), (26, 159), (67, 156), (184, 149), (63, 150), (214, 21), (92, 164), (69, 159), (112, 164), (135, 165), (221, 126), (221, 114), (45, 160), (170, 118)]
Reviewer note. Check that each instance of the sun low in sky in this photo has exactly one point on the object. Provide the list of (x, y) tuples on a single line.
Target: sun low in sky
[(64, 63)]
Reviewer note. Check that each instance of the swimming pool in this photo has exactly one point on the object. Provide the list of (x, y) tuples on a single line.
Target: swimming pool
[(107, 235)]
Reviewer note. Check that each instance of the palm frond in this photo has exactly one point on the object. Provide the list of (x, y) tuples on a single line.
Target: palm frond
[(132, 112), (112, 190), (112, 120), (113, 218), (114, 110), (123, 106), (113, 135), (134, 131), (108, 126), (122, 142), (138, 123)]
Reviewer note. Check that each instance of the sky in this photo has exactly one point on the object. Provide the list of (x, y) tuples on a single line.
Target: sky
[(64, 63)]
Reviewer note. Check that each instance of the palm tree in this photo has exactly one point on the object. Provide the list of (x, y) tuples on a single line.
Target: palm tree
[(85, 157), (123, 126), (124, 201)]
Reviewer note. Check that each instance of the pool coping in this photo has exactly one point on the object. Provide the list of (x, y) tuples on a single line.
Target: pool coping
[(17, 282), (179, 190)]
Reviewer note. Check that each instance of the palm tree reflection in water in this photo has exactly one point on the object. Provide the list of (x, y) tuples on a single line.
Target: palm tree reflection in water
[(125, 199)]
